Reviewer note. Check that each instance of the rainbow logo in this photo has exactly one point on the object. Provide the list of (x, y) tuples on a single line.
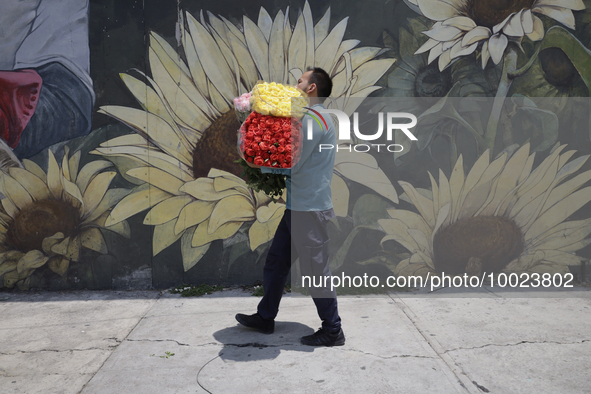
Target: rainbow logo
[(317, 117)]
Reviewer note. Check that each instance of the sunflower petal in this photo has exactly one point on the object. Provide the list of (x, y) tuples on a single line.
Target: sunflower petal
[(166, 51), (477, 34), (456, 184), (427, 46), (31, 260), (276, 52), (577, 5), (7, 266), (73, 252), (559, 212), (164, 236), (214, 64), (110, 199), (321, 28), (265, 22), (202, 236), (514, 27), (54, 179), (61, 247), (485, 54), (157, 178), (248, 69), (65, 168), (33, 168), (158, 131), (167, 210), (89, 171), (191, 255), (562, 15), (142, 198), (437, 10), (193, 214), (92, 239), (507, 181), (16, 192), (231, 209), (257, 46), (49, 242), (296, 55), (564, 190), (527, 21), (397, 230), (261, 232), (538, 29), (370, 72), (496, 47), (73, 164), (309, 24), (96, 190), (72, 190), (59, 265), (203, 189)]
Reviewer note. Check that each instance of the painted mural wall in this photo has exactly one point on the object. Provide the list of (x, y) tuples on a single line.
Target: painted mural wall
[(118, 137)]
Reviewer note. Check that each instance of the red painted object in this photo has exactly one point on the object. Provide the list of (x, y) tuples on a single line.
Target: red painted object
[(19, 94)]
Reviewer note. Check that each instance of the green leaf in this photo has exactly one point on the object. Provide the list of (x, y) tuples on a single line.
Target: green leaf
[(368, 209), (543, 120), (578, 54), (341, 255)]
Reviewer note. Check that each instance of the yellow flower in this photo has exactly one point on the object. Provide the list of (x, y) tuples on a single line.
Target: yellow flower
[(461, 25), (501, 216), (49, 217), (278, 100), (182, 155)]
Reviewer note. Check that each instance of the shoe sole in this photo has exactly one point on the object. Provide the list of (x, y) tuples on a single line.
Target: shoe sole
[(255, 328), (326, 345)]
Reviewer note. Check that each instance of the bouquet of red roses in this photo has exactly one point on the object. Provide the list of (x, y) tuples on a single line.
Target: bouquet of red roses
[(270, 141), (271, 136)]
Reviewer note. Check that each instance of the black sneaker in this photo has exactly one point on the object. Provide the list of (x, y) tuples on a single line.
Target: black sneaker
[(257, 322), (324, 338)]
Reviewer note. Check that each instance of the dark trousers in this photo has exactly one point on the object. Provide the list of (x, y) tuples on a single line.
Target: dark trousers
[(303, 235)]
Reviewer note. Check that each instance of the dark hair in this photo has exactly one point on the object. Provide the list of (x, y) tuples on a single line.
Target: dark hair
[(322, 81)]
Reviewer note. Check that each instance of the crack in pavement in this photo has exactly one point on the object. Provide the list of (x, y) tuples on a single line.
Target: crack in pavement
[(385, 357), (160, 340), (108, 348), (517, 344), (47, 374), (154, 302)]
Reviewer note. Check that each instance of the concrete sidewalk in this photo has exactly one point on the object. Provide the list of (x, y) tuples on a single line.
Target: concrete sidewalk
[(123, 342)]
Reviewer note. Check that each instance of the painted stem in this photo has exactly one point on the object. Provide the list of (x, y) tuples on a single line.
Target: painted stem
[(509, 65)]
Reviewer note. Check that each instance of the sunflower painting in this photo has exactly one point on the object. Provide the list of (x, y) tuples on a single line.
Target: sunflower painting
[(497, 180), (48, 217), (183, 154), (502, 216)]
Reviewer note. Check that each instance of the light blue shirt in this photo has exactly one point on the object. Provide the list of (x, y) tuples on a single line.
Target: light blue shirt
[(308, 181)]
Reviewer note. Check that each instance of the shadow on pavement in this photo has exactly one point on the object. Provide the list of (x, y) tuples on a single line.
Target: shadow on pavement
[(246, 344)]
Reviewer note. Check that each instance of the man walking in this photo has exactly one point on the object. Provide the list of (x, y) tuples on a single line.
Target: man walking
[(302, 231)]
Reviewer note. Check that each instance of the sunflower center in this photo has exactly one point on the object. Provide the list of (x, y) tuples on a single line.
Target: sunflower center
[(39, 220), (494, 240), (217, 148), (558, 69), (489, 13), (432, 83)]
